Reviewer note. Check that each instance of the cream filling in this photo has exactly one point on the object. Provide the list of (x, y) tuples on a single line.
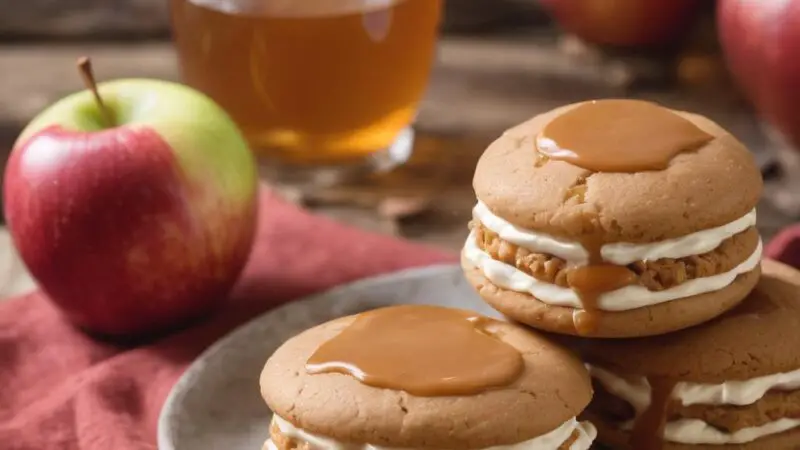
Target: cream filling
[(621, 253), (693, 431), (636, 391), (549, 441), (630, 297)]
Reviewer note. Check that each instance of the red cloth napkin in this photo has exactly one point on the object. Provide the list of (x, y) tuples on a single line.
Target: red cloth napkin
[(785, 246), (61, 390)]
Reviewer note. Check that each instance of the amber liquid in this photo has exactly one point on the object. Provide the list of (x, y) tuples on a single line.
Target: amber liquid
[(310, 81)]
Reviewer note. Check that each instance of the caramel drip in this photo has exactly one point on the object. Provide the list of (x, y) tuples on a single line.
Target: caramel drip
[(619, 136), (648, 428), (592, 281), (423, 350)]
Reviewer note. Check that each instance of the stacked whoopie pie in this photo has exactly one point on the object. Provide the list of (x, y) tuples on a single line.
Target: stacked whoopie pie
[(425, 377), (629, 230), (614, 218), (732, 383)]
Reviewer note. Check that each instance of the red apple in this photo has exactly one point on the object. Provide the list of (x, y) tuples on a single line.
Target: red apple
[(761, 41), (624, 23), (134, 226)]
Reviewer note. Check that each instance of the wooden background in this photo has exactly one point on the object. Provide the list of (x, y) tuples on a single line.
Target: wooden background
[(499, 62), (142, 19)]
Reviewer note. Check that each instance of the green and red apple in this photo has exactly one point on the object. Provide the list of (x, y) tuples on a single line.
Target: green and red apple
[(138, 225), (761, 45)]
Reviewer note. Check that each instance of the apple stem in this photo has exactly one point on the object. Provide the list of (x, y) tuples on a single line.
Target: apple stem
[(85, 69)]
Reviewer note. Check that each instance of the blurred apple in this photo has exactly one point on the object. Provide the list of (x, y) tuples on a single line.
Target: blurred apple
[(761, 42), (624, 23), (134, 214)]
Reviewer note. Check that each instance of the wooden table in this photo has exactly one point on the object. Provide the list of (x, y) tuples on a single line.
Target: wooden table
[(481, 86)]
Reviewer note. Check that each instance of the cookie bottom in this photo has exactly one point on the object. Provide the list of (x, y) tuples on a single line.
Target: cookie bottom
[(647, 321), (615, 439), (278, 441)]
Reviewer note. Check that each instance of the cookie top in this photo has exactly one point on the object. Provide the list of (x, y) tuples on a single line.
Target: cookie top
[(759, 337), (700, 189), (553, 388)]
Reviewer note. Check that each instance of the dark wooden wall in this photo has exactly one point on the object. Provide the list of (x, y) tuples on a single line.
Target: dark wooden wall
[(145, 19)]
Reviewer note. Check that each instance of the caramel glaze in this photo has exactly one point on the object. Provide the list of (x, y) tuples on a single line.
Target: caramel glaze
[(424, 350), (619, 136), (648, 428), (593, 280), (613, 136)]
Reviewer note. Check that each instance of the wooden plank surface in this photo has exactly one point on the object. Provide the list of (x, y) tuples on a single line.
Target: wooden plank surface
[(70, 19), (480, 87), (136, 19)]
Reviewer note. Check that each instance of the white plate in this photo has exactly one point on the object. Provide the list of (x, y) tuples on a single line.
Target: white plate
[(216, 404), (14, 277)]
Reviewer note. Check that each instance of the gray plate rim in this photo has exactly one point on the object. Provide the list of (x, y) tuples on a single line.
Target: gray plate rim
[(165, 434)]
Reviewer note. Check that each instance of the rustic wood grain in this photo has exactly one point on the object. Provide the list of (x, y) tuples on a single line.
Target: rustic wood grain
[(480, 86), (84, 18), (471, 16), (131, 19)]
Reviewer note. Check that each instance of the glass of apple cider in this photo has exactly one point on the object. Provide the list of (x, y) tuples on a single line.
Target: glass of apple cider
[(319, 87)]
